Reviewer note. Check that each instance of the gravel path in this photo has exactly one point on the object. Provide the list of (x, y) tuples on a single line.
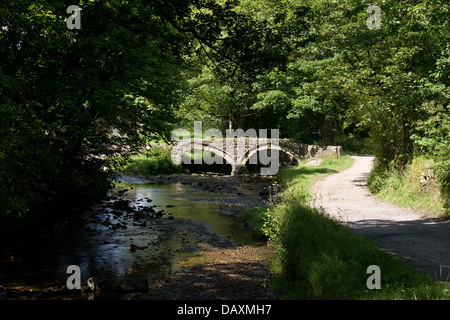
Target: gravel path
[(421, 240)]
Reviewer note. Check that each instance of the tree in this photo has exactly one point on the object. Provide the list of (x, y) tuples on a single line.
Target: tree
[(382, 75), (64, 92), (232, 81)]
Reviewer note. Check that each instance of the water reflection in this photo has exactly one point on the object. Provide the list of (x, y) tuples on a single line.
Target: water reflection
[(114, 244)]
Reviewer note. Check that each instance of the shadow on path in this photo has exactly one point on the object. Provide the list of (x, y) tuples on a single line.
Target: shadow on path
[(422, 241)]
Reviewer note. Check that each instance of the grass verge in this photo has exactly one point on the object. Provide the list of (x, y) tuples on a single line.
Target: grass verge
[(410, 187), (318, 258)]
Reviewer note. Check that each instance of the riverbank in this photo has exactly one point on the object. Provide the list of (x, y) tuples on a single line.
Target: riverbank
[(141, 246), (231, 270)]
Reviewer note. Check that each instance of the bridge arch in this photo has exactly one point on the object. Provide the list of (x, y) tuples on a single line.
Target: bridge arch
[(228, 159), (254, 150), (184, 146), (241, 151)]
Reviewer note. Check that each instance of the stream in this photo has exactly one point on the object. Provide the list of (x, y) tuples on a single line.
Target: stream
[(141, 231)]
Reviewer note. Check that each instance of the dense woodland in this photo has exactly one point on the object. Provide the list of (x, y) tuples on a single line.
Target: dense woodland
[(312, 69)]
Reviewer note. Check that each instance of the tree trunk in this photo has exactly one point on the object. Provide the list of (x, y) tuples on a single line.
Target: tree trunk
[(327, 132)]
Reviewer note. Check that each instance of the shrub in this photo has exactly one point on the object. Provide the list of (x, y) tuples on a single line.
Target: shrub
[(433, 139), (405, 186)]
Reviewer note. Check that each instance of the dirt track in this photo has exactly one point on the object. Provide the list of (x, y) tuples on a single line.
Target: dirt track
[(421, 240)]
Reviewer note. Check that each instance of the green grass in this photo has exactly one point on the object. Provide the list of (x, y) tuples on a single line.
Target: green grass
[(296, 181), (154, 162), (403, 187), (299, 180), (318, 258)]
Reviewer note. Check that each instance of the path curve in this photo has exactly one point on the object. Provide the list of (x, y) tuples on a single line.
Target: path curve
[(421, 240)]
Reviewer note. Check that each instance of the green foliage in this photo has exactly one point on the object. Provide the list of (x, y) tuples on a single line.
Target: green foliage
[(254, 220), (334, 79), (311, 69), (227, 90), (384, 74), (296, 183), (156, 161), (434, 140), (404, 186), (344, 81), (322, 259), (64, 92)]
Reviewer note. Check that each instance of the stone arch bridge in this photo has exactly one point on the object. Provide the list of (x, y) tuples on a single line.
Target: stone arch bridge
[(238, 152)]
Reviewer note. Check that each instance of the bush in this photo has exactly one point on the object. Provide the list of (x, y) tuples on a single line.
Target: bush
[(39, 176), (407, 187), (433, 139), (254, 221)]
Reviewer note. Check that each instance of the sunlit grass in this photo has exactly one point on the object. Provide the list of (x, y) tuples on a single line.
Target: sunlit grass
[(156, 161), (318, 258)]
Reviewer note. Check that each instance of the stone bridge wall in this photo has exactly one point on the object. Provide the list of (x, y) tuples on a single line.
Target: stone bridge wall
[(238, 151)]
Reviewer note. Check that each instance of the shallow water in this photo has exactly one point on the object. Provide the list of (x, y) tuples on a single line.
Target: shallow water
[(197, 205), (111, 241)]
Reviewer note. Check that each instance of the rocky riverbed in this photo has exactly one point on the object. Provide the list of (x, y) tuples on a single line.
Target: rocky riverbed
[(130, 246), (255, 187)]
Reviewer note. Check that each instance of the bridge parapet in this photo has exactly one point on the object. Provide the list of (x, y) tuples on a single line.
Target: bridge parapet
[(239, 151)]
